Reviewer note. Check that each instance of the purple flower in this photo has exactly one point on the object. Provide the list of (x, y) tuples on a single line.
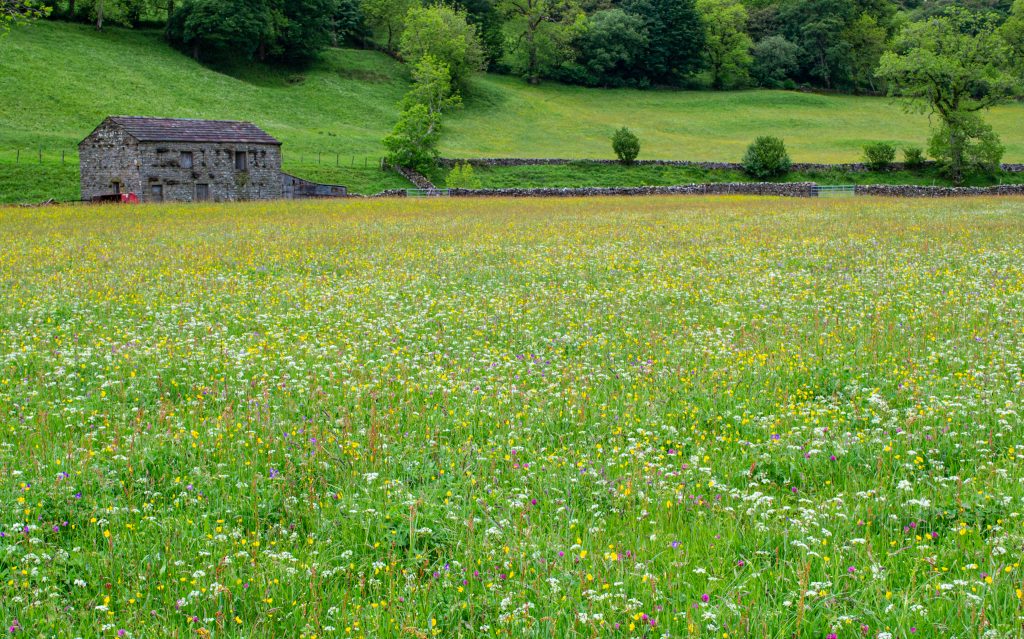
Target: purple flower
[(705, 597)]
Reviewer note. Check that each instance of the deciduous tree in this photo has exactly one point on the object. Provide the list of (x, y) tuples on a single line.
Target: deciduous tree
[(388, 17), (540, 33), (952, 65), (675, 35), (14, 12), (442, 32), (727, 45)]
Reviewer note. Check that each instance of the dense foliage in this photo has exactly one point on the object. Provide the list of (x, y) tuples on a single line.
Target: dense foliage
[(767, 158), (955, 66), (879, 156), (721, 44), (19, 11), (626, 145)]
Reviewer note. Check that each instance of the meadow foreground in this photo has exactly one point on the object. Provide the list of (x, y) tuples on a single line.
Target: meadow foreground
[(679, 417)]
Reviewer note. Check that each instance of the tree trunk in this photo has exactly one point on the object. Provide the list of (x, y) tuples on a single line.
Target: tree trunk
[(170, 8), (956, 156), (532, 74), (99, 15), (71, 9)]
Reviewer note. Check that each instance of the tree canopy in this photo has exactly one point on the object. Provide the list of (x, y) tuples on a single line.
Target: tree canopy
[(953, 65)]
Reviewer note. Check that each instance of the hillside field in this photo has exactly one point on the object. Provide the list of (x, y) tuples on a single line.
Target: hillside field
[(58, 81), (753, 418)]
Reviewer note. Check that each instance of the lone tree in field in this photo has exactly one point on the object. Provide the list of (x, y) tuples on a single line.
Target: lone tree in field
[(953, 65)]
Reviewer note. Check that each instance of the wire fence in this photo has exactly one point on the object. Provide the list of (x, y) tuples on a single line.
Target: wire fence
[(39, 155), (42, 155)]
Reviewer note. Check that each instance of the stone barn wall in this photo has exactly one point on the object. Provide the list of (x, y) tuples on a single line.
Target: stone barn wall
[(106, 156), (213, 164)]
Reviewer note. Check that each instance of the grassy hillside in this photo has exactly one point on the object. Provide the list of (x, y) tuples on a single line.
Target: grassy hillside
[(57, 81), (507, 118)]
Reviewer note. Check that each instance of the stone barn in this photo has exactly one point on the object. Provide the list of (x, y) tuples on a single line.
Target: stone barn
[(164, 159)]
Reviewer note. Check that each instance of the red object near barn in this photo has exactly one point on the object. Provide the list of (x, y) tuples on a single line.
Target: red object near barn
[(122, 198)]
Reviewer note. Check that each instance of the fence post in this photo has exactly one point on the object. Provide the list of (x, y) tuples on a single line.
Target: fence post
[(40, 155)]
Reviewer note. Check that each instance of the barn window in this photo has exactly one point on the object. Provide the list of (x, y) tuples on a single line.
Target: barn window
[(186, 159), (157, 190), (240, 163), (202, 192), (116, 186)]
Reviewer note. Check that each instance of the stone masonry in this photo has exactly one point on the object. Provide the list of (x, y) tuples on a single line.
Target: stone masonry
[(114, 160)]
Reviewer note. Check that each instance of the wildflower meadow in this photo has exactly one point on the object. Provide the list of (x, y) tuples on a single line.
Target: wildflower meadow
[(668, 417)]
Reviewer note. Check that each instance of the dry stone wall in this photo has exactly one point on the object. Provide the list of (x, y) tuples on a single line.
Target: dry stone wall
[(789, 189), (853, 167), (893, 190)]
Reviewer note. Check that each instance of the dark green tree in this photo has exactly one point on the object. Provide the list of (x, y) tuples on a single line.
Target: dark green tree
[(675, 39), (213, 30), (610, 49), (776, 59), (303, 29)]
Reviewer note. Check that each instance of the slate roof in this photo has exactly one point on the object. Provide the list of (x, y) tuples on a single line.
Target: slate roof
[(146, 129)]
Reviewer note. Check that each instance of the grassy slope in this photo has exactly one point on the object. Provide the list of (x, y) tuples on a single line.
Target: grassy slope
[(573, 122), (57, 81)]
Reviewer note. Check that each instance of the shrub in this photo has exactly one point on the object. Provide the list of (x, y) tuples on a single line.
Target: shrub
[(968, 146), (879, 156), (462, 177), (413, 142), (767, 158), (913, 157), (626, 145)]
